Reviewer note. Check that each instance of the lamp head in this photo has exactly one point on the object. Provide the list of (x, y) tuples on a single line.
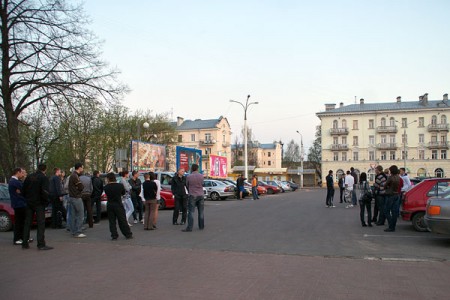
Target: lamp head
[(146, 125)]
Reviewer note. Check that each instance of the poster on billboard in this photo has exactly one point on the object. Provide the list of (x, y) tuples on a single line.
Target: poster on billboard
[(188, 156), (218, 166), (147, 156)]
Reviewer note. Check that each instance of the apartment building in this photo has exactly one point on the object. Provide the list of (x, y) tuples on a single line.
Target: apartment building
[(411, 134), (212, 136)]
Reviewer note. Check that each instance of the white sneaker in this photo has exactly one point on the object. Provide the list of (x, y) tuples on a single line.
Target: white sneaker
[(135, 221), (142, 221), (130, 224), (333, 206), (81, 235)]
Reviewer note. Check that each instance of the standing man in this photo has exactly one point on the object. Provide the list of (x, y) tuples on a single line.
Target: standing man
[(355, 179), (136, 187), (380, 181), (18, 203), (86, 197), (56, 191), (240, 186), (393, 188), (178, 187), (194, 184), (330, 189), (341, 187), (406, 186), (35, 191), (349, 183), (76, 202), (97, 191), (255, 187)]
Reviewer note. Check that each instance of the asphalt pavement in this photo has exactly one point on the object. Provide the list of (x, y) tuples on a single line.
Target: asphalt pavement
[(286, 246)]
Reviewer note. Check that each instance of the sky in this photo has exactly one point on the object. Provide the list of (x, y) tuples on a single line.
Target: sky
[(189, 58)]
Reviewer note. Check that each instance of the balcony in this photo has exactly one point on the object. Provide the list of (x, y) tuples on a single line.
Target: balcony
[(387, 146), (438, 127), (339, 147), (207, 142), (225, 144), (339, 131), (438, 145), (387, 129)]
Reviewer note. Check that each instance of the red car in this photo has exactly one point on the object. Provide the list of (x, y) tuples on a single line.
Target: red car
[(7, 212), (414, 202), (167, 199), (261, 190), (271, 189)]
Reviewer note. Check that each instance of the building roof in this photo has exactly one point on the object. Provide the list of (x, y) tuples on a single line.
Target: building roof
[(390, 106), (255, 145), (198, 124)]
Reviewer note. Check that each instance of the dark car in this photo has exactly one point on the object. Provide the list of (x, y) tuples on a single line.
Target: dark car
[(7, 212), (414, 202), (437, 217), (271, 189)]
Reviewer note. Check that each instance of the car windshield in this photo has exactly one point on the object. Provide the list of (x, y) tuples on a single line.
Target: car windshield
[(4, 193)]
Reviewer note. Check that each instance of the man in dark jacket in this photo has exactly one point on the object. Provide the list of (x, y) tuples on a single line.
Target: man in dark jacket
[(330, 189), (56, 198), (18, 203), (135, 193), (35, 191), (97, 191), (178, 187)]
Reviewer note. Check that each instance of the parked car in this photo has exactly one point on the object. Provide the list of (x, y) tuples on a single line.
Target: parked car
[(247, 190), (414, 201), (437, 216), (271, 189), (292, 184), (283, 187), (7, 212), (217, 189), (260, 189)]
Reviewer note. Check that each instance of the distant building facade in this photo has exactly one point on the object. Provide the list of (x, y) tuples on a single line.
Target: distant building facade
[(412, 134)]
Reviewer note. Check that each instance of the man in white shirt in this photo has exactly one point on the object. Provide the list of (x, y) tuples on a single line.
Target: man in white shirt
[(349, 181), (406, 181)]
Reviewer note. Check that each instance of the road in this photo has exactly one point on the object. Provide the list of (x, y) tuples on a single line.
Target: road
[(286, 246)]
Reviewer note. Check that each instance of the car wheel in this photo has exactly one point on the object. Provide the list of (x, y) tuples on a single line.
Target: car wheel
[(215, 196), (418, 222), (5, 221), (269, 191), (162, 204)]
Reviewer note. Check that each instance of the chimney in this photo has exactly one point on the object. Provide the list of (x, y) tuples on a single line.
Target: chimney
[(425, 99), (361, 101), (341, 104), (329, 107), (399, 99), (180, 121), (445, 97)]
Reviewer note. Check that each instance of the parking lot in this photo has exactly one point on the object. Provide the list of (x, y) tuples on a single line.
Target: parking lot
[(284, 246)]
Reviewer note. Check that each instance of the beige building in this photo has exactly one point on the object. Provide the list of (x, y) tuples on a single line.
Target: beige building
[(212, 136), (411, 133)]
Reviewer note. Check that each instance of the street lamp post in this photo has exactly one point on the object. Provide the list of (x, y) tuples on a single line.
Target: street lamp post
[(301, 159), (404, 141), (245, 107), (145, 125)]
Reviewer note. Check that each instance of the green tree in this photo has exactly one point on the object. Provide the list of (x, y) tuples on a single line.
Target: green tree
[(292, 154), (315, 152)]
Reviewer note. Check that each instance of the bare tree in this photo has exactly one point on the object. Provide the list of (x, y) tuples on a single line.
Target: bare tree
[(292, 154), (315, 152), (48, 57)]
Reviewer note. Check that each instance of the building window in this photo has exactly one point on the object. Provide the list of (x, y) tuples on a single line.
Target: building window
[(240, 153), (180, 138), (434, 154), (269, 154), (355, 156), (392, 122), (336, 156), (383, 139), (335, 140), (371, 155), (392, 139), (434, 120), (443, 119), (355, 141), (404, 154), (371, 140), (371, 124), (421, 122), (208, 137), (335, 124), (344, 140), (439, 173), (344, 123), (421, 138), (269, 163), (443, 138), (404, 122), (392, 155), (383, 155), (443, 154), (193, 137), (434, 138), (421, 154), (208, 151), (355, 124), (383, 122), (344, 156)]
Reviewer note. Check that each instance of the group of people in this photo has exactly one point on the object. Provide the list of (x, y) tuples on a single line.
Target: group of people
[(387, 191), (31, 194)]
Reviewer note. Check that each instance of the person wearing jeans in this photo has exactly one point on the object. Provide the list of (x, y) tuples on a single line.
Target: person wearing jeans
[(393, 188), (76, 202), (194, 184)]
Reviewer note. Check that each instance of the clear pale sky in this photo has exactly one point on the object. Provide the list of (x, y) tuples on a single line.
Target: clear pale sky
[(192, 57)]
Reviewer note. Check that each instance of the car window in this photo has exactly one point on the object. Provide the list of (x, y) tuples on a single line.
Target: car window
[(207, 183), (4, 193), (439, 188)]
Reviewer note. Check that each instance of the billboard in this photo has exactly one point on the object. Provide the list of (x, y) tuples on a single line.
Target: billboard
[(218, 166), (188, 156), (147, 157)]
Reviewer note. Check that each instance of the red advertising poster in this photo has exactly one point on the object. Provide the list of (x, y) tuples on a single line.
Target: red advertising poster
[(147, 156), (218, 166)]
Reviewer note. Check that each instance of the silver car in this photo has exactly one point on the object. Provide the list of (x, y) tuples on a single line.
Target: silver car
[(437, 215), (217, 189)]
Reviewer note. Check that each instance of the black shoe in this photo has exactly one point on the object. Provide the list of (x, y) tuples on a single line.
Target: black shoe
[(389, 230), (374, 220), (45, 248), (182, 223), (130, 237), (364, 225), (154, 227), (370, 225), (175, 223), (114, 239), (379, 224), (25, 246), (186, 230)]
